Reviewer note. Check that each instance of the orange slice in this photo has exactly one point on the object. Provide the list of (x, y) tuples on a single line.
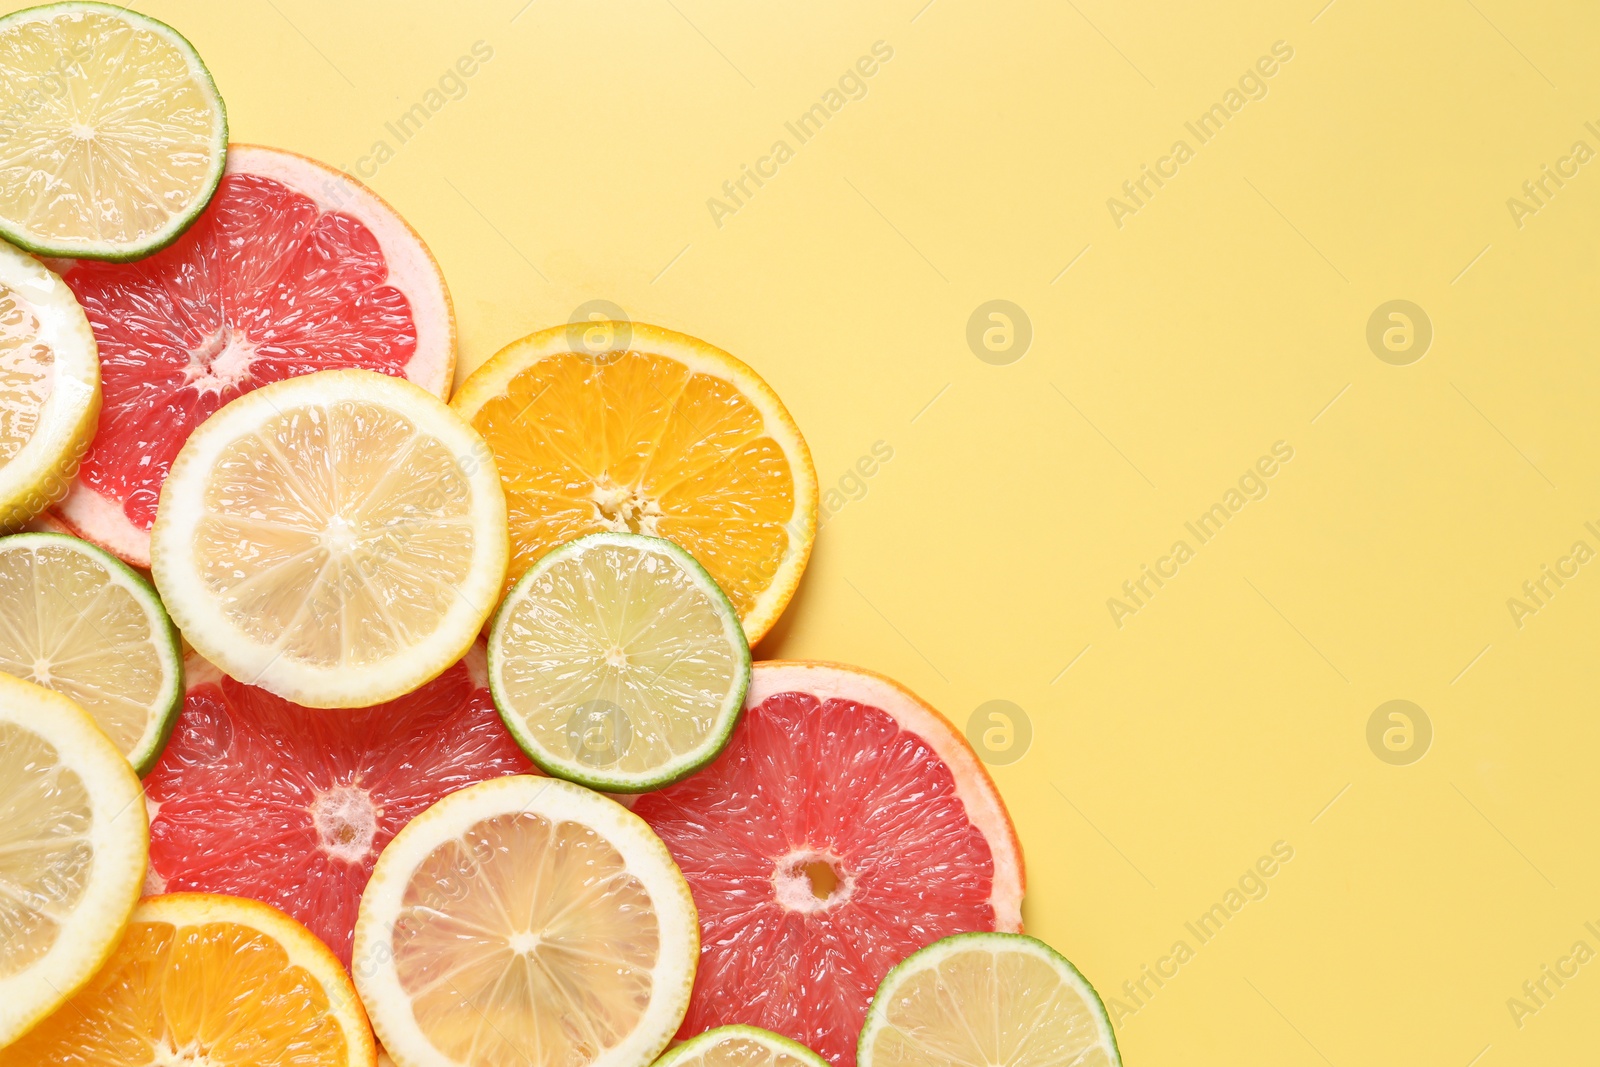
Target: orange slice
[(627, 427), (214, 980)]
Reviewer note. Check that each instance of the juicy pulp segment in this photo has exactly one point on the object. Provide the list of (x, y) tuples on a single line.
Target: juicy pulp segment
[(262, 798), (638, 442), (26, 372), (214, 993), (625, 625), (987, 1003), (120, 130), (264, 286), (526, 940), (339, 534), (825, 844), (68, 623), (45, 853)]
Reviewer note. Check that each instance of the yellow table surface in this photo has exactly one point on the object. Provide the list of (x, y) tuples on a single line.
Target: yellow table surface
[(1182, 331)]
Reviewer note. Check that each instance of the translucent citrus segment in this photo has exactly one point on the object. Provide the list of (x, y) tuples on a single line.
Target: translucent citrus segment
[(525, 921), (657, 433), (337, 539), (618, 663), (115, 134), (293, 268), (212, 980), (49, 386), (73, 844), (75, 619), (1005, 1000), (741, 1046)]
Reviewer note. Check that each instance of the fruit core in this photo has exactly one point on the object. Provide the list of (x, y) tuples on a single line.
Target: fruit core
[(624, 508), (346, 820), (221, 361), (810, 881)]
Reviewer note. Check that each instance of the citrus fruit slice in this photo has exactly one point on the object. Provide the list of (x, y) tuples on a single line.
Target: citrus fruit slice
[(525, 922), (293, 268), (654, 432), (75, 619), (740, 1046), (617, 663), (213, 980), (262, 798), (846, 825), (1007, 1000), (114, 132), (73, 841), (337, 538), (49, 386)]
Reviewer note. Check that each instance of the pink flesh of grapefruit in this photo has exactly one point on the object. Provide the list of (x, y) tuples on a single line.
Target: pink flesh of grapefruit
[(293, 268), (846, 826), (258, 797)]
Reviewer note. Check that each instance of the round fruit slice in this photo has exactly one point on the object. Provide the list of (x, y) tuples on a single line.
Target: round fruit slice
[(73, 842), (846, 825), (49, 386), (1001, 999), (337, 538), (263, 798), (628, 427), (114, 135), (76, 620), (525, 922), (293, 268), (213, 980), (618, 663), (740, 1046)]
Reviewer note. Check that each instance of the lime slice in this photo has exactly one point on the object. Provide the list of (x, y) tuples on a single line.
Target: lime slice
[(49, 386), (617, 662), (77, 620), (73, 843), (1006, 1000), (112, 135), (740, 1046), (525, 922)]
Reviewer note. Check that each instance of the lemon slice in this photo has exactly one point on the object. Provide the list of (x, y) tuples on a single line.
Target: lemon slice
[(338, 538), (112, 135), (77, 620), (1006, 1000), (208, 980), (74, 839), (618, 663), (525, 922), (49, 386), (740, 1046)]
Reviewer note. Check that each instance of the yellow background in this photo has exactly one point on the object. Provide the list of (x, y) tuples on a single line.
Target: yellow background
[(1227, 314)]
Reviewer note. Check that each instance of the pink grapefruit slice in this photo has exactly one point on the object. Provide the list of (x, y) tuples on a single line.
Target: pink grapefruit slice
[(294, 267), (258, 797), (846, 826)]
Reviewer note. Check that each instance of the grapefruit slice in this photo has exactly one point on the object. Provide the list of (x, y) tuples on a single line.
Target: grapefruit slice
[(207, 980), (846, 825), (1006, 1000), (294, 267), (261, 798), (73, 841), (525, 922), (626, 427)]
